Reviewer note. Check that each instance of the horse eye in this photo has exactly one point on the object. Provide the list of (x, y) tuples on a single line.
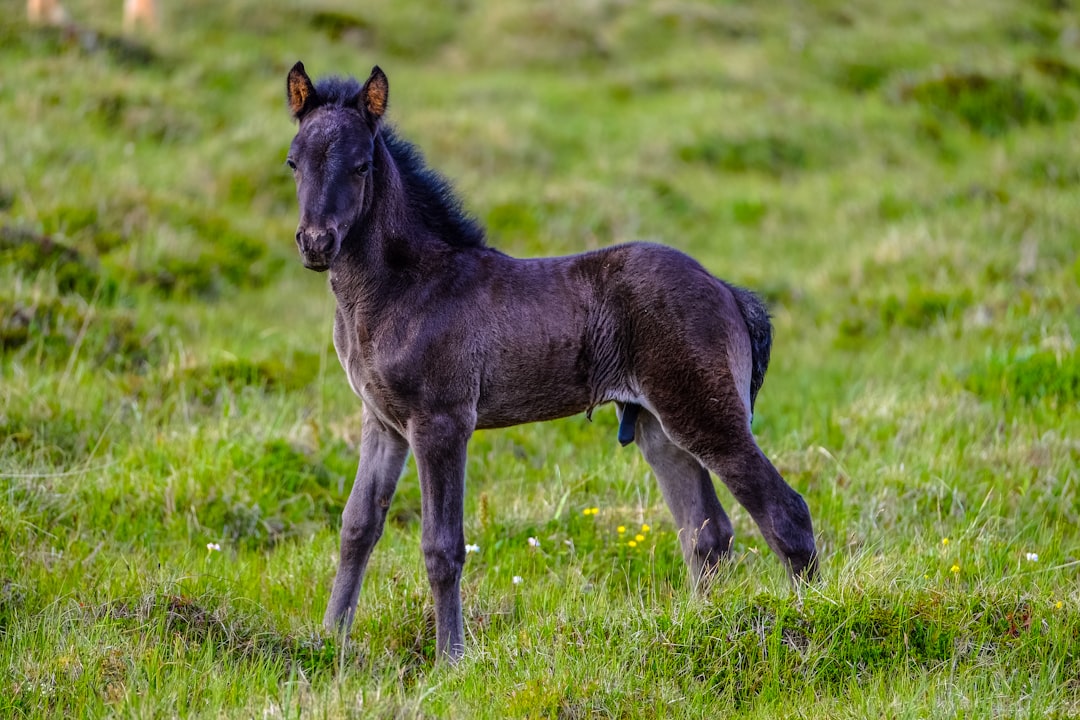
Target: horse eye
[(362, 168), (291, 164)]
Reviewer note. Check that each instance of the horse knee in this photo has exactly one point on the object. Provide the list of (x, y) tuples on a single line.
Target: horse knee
[(444, 560), (360, 532)]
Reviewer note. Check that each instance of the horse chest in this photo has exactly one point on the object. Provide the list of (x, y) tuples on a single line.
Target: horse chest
[(355, 352), (375, 377)]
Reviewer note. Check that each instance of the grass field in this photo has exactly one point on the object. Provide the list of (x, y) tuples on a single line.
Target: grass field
[(901, 181)]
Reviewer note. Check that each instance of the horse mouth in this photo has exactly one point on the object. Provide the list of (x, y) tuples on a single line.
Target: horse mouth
[(318, 264)]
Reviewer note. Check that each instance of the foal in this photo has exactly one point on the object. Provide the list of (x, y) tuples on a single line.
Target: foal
[(440, 334)]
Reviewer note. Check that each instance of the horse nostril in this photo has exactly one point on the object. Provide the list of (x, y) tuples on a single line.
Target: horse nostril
[(318, 242)]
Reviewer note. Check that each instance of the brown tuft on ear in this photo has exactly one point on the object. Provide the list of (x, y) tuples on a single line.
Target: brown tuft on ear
[(300, 92), (375, 93)]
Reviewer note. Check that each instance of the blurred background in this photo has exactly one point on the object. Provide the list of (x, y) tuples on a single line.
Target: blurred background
[(899, 181)]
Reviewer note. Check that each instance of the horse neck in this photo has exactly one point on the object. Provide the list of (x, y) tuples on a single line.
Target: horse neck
[(366, 272)]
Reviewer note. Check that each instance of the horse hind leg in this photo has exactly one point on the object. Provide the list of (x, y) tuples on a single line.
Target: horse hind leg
[(778, 510), (722, 441), (704, 407), (705, 532)]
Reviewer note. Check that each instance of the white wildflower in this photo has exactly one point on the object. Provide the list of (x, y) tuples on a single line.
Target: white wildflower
[(213, 547), (533, 542), (1033, 557), (472, 548), (517, 580)]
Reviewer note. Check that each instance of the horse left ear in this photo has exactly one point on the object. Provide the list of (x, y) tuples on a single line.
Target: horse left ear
[(374, 94)]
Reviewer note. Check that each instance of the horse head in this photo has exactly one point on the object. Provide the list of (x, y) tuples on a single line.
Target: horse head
[(332, 158)]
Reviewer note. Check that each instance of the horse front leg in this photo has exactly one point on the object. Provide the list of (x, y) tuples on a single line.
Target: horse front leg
[(440, 444), (382, 458)]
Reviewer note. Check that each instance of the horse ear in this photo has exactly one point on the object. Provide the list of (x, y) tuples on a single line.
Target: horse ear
[(300, 92), (374, 94)]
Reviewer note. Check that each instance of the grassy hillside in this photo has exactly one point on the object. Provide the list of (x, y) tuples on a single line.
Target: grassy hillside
[(901, 181)]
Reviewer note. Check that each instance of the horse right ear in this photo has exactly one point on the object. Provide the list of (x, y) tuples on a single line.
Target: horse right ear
[(300, 92)]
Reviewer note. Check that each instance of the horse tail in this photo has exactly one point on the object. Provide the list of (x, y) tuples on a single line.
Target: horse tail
[(756, 317)]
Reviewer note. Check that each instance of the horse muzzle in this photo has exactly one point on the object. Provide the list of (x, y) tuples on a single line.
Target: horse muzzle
[(318, 248)]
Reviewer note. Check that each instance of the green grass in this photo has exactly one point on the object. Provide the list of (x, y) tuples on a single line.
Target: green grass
[(898, 180)]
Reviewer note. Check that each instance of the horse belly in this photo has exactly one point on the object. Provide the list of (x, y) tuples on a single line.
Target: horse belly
[(532, 389)]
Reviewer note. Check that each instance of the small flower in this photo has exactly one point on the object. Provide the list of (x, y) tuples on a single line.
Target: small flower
[(533, 542), (590, 511), (1032, 557), (954, 569), (645, 528), (632, 543), (945, 541), (517, 580), (472, 549), (639, 537), (1058, 605), (213, 547), (621, 529)]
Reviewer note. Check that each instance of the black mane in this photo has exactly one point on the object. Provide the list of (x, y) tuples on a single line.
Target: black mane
[(339, 91), (431, 195), (428, 193)]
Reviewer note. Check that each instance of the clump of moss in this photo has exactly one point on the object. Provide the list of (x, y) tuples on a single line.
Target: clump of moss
[(861, 76), (52, 322), (32, 253), (218, 257), (917, 309), (142, 118), (1027, 375), (770, 154), (990, 105), (1057, 69), (340, 25), (58, 326)]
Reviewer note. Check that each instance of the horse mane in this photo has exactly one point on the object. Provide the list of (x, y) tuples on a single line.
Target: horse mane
[(339, 91), (429, 194)]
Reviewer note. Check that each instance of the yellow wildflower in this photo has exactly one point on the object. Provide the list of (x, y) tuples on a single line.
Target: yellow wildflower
[(632, 543), (621, 529), (954, 569), (945, 541), (645, 528), (639, 537), (1058, 605)]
